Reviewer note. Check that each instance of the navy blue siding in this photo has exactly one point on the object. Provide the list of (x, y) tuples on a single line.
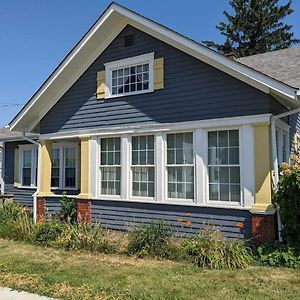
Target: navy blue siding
[(22, 196), (193, 91)]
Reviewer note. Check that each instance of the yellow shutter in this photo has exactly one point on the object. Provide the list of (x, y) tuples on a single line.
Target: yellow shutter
[(158, 74), (16, 168), (101, 85)]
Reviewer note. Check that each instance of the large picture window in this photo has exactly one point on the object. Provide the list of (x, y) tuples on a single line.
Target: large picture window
[(224, 166), (143, 166), (180, 165), (110, 160)]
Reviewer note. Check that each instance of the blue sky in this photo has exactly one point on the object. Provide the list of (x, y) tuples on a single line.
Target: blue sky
[(35, 35)]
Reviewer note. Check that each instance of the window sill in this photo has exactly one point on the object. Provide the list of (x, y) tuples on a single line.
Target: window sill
[(27, 187), (128, 94)]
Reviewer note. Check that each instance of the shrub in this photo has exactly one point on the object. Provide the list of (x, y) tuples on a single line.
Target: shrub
[(68, 211), (150, 240), (279, 255), (85, 237), (47, 233), (288, 198), (210, 249)]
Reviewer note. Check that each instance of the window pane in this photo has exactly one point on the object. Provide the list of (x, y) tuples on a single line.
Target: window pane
[(213, 192), (70, 157), (224, 192), (224, 175), (233, 138), (213, 174), (223, 156), (222, 138), (110, 180), (235, 175), (26, 177), (70, 177), (235, 193), (234, 156), (212, 139)]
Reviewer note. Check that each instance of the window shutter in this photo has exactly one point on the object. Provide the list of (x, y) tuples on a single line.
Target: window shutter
[(16, 168), (158, 74), (101, 85)]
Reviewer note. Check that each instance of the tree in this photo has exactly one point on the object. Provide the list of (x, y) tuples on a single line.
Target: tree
[(255, 27)]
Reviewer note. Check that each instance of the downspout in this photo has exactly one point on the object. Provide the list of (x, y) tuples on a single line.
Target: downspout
[(1, 169)]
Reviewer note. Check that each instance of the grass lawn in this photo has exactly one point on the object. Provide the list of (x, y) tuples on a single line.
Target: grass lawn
[(78, 275)]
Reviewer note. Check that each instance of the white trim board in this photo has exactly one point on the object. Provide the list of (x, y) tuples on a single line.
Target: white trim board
[(89, 48)]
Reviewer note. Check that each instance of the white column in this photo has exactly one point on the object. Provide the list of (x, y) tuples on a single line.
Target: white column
[(247, 165), (125, 167), (200, 170), (160, 167)]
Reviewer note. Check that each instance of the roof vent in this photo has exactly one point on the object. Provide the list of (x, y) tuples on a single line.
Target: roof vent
[(129, 40)]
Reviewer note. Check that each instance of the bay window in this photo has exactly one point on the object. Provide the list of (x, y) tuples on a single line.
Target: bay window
[(110, 166), (142, 166), (180, 165), (224, 166)]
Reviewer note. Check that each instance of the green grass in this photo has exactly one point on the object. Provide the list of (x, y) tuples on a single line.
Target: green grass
[(80, 275)]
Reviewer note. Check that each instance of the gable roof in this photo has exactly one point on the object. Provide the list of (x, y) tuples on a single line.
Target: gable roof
[(102, 33), (282, 65)]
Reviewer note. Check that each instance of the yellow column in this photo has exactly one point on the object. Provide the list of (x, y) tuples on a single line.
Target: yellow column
[(85, 169), (45, 168), (262, 154)]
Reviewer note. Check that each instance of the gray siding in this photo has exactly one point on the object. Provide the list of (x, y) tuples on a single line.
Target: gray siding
[(193, 91), (22, 196)]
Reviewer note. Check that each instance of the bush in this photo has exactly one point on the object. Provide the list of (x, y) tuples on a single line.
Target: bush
[(279, 255), (210, 249), (288, 199), (46, 234), (150, 240), (85, 237), (68, 211)]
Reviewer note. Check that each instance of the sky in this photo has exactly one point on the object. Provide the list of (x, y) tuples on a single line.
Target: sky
[(35, 35)]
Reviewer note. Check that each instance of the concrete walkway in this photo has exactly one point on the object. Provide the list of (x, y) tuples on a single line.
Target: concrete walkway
[(8, 294)]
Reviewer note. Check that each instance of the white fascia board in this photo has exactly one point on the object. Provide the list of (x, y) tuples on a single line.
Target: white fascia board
[(168, 127)]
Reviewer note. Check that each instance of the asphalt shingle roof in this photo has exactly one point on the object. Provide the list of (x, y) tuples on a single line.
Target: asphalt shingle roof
[(282, 65)]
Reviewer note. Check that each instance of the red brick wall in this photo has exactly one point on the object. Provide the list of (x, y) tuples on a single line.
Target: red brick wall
[(41, 204), (84, 211), (264, 228)]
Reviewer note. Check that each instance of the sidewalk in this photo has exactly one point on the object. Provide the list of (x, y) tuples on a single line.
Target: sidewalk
[(8, 294)]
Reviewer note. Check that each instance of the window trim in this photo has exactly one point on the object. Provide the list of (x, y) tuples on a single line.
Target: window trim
[(34, 164), (128, 62), (62, 147), (241, 163), (282, 128)]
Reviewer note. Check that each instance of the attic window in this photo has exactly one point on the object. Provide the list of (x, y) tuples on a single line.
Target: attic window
[(129, 40)]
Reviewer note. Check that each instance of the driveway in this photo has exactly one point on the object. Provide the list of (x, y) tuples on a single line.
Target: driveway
[(8, 294)]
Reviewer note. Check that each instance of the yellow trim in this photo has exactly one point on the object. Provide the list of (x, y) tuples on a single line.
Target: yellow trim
[(101, 85), (262, 150), (16, 168), (45, 169), (85, 169), (158, 74)]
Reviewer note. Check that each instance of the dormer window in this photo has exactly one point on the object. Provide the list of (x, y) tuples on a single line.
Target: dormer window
[(129, 76)]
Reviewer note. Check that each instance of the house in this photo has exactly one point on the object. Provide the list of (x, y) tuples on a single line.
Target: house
[(140, 123)]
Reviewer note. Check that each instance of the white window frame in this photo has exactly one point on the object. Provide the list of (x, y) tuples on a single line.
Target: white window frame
[(34, 162), (241, 165), (62, 147), (131, 165), (281, 129), (124, 63)]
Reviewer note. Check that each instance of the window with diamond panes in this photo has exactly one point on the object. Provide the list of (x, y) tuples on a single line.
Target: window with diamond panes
[(131, 79), (224, 166), (142, 168), (110, 166), (180, 165)]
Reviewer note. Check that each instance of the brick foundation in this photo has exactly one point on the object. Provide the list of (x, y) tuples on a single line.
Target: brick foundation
[(41, 205), (264, 228), (84, 211)]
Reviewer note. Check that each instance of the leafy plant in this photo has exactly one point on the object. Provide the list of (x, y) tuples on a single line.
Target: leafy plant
[(150, 240), (68, 211), (210, 249), (279, 255), (288, 198)]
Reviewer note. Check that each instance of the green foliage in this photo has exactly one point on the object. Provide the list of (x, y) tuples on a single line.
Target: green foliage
[(85, 237), (255, 27), (150, 240), (279, 255), (47, 233), (68, 211), (288, 198), (210, 249)]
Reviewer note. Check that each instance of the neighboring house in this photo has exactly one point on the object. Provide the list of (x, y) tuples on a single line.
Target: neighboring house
[(140, 123)]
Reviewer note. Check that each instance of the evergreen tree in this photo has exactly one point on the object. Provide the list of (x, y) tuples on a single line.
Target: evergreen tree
[(255, 27)]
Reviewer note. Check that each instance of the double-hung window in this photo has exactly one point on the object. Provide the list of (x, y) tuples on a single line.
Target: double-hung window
[(110, 166), (224, 166), (29, 155), (282, 144), (180, 165), (142, 166), (55, 172)]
